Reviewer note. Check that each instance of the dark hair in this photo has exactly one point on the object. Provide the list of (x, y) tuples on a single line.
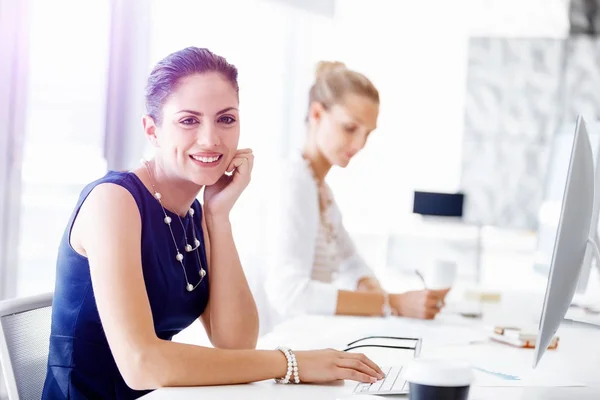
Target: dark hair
[(167, 73)]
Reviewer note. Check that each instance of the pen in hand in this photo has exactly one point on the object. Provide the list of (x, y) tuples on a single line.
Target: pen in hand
[(441, 303), (421, 278)]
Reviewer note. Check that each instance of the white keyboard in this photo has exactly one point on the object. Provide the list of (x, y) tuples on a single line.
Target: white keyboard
[(393, 383)]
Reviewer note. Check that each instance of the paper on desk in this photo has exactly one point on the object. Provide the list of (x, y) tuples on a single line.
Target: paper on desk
[(492, 378), (337, 332), (433, 333), (579, 315)]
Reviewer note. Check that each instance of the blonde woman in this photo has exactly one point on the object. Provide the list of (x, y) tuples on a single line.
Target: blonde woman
[(313, 265)]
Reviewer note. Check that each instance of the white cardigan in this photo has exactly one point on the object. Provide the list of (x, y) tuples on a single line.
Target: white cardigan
[(301, 278)]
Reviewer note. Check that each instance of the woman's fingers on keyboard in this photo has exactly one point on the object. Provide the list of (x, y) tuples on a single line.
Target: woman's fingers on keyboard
[(354, 375), (366, 360), (358, 365)]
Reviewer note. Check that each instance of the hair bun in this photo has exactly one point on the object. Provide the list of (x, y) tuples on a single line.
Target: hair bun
[(325, 67)]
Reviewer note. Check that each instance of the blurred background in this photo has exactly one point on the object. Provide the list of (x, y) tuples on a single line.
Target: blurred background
[(478, 97)]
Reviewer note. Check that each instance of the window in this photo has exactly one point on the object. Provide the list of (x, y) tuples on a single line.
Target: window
[(63, 143)]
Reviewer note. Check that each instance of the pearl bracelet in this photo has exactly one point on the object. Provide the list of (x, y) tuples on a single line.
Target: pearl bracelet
[(292, 367)]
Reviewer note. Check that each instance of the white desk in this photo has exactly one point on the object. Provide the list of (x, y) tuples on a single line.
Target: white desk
[(576, 359)]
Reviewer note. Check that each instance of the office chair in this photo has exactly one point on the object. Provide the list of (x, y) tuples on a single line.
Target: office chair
[(24, 342)]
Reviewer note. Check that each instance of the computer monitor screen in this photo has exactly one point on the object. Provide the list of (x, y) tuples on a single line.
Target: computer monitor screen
[(571, 238), (554, 190)]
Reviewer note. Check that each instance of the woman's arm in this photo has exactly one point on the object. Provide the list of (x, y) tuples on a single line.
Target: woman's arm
[(108, 228), (108, 231), (417, 304), (230, 294), (360, 303), (423, 304), (369, 284), (231, 318), (293, 221)]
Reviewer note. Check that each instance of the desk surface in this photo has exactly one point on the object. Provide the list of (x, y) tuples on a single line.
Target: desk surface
[(449, 336)]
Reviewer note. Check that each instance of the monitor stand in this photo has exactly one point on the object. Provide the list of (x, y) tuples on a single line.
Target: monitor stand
[(584, 316)]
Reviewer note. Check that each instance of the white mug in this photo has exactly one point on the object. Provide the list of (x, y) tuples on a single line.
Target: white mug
[(440, 275)]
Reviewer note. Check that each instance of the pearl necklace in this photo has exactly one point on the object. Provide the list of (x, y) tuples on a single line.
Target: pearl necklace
[(188, 247)]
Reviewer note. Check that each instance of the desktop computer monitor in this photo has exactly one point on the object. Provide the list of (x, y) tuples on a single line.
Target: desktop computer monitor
[(572, 239), (554, 191), (591, 254)]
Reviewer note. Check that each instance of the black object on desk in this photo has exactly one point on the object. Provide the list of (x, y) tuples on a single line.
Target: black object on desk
[(438, 204), (417, 346)]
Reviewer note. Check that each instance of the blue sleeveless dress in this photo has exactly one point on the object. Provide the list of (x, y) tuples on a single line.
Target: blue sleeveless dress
[(80, 363)]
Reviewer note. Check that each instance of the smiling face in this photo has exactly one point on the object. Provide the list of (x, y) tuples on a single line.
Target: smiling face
[(199, 130), (342, 130)]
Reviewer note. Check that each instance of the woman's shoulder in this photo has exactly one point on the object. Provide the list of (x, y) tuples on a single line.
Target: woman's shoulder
[(293, 173), (291, 187), (126, 179), (114, 187), (121, 178)]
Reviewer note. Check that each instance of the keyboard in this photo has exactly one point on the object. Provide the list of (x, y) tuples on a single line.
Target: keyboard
[(393, 383)]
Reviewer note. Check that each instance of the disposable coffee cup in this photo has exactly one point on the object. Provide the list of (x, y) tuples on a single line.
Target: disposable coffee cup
[(440, 275), (435, 379)]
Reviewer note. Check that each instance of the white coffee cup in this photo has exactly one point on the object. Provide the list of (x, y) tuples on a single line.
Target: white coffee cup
[(440, 275), (435, 379)]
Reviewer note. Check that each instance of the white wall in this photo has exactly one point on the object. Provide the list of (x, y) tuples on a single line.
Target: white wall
[(518, 18), (417, 59), (416, 53)]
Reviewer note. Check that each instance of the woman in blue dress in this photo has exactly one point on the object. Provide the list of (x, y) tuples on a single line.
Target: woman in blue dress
[(141, 258)]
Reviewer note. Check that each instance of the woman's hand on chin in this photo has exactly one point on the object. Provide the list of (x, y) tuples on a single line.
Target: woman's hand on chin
[(220, 197)]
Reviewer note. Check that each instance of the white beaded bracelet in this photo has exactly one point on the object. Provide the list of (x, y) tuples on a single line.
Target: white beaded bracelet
[(292, 367)]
